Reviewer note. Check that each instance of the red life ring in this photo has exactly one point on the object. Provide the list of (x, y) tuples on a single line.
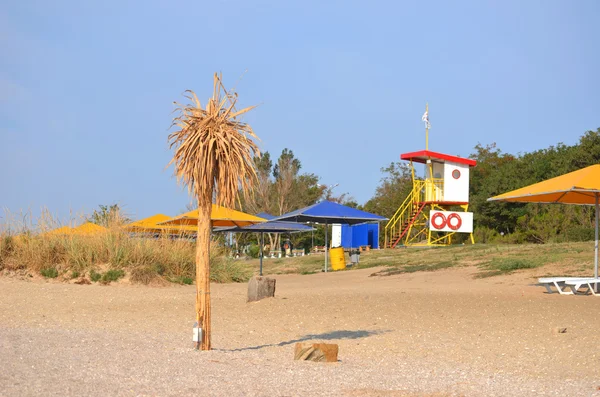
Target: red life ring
[(434, 217), (454, 215)]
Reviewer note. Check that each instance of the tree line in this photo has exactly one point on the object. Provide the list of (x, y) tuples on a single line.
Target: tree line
[(283, 187), (496, 173)]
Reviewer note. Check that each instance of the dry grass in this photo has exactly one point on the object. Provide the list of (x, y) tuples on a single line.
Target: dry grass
[(160, 260), (144, 260), (568, 258)]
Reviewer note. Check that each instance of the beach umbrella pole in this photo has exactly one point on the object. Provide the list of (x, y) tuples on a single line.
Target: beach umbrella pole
[(596, 242), (262, 242), (326, 240)]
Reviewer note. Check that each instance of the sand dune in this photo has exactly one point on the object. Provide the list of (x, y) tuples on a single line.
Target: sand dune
[(421, 334)]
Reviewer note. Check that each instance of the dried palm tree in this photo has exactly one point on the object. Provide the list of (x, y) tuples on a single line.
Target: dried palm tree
[(214, 157)]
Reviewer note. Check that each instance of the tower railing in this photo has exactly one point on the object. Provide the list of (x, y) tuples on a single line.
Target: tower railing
[(433, 189), (423, 191)]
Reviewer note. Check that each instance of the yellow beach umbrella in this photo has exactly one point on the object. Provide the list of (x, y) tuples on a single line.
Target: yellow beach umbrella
[(89, 228), (220, 217), (60, 230), (578, 187), (149, 222), (152, 225), (84, 229)]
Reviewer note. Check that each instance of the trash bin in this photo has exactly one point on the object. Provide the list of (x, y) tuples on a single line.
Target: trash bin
[(336, 255), (354, 256)]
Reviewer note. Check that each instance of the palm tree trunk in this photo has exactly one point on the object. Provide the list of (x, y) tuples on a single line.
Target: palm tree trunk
[(203, 272)]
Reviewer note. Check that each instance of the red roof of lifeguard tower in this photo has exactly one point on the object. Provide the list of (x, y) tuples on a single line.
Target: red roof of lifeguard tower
[(423, 155)]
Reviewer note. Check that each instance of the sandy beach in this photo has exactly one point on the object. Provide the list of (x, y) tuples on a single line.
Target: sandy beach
[(440, 333)]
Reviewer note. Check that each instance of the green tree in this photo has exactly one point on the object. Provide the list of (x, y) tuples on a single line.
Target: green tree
[(261, 199), (285, 173), (587, 152), (495, 173), (280, 188), (109, 215)]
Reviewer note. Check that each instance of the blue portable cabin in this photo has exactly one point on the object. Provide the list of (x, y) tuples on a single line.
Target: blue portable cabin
[(354, 236)]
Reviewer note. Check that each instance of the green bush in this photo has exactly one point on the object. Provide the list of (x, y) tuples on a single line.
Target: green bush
[(485, 235), (49, 272), (499, 266), (182, 280), (253, 251), (580, 234), (411, 268), (95, 276), (159, 268), (112, 275), (510, 265), (517, 237)]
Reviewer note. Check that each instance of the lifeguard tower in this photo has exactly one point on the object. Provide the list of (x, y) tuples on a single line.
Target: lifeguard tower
[(437, 206)]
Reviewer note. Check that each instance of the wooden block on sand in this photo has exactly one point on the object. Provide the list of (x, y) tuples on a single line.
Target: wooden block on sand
[(260, 287), (319, 352)]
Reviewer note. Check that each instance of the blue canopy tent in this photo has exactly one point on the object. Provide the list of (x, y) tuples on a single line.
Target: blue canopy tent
[(327, 212), (266, 216), (268, 227)]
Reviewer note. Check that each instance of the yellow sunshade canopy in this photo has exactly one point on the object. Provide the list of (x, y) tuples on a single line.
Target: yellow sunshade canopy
[(85, 229), (151, 225), (89, 228), (61, 230), (149, 222), (220, 216), (577, 187)]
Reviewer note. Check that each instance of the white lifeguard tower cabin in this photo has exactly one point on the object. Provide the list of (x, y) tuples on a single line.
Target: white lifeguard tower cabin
[(437, 206)]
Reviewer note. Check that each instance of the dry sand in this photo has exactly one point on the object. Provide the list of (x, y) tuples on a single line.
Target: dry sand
[(422, 334)]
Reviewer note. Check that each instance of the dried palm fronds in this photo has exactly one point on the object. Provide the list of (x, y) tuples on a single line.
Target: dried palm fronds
[(214, 151), (214, 157)]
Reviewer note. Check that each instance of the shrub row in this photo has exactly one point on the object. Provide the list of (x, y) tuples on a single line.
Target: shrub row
[(143, 259)]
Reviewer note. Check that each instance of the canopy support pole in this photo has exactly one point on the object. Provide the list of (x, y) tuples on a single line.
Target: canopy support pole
[(262, 243), (326, 241), (596, 245)]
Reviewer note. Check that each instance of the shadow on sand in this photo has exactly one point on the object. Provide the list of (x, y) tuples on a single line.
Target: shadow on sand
[(333, 335)]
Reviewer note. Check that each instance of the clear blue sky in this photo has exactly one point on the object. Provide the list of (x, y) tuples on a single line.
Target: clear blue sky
[(86, 90)]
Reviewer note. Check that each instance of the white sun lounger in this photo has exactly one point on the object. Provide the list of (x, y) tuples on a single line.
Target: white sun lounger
[(588, 283), (560, 283)]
